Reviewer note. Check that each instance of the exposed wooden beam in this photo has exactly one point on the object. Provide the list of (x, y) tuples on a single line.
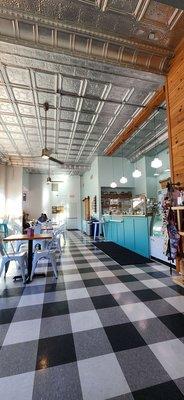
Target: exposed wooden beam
[(136, 122), (173, 3)]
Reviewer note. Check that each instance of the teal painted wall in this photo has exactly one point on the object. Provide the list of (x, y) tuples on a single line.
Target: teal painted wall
[(106, 169), (112, 169)]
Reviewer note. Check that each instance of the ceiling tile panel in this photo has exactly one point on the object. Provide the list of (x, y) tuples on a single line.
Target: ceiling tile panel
[(13, 128), (18, 76), (3, 93), (68, 102), (46, 81), (6, 107), (30, 121), (91, 109), (23, 95), (25, 109), (9, 119), (71, 85), (89, 105), (46, 97)]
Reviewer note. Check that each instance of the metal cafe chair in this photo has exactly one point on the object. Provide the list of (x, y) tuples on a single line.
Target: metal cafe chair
[(20, 258), (48, 254)]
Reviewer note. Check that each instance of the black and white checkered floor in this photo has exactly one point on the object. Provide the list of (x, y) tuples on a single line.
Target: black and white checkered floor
[(101, 331)]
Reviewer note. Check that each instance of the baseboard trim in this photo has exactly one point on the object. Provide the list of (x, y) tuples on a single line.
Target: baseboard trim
[(170, 265)]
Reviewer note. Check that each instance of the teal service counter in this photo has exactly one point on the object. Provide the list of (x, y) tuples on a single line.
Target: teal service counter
[(131, 231)]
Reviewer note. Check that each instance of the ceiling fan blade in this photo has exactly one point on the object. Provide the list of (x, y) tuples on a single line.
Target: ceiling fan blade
[(38, 156), (56, 161), (57, 181)]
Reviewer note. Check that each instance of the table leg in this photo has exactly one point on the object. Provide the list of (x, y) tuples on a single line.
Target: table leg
[(30, 260), (95, 231), (30, 256), (99, 230)]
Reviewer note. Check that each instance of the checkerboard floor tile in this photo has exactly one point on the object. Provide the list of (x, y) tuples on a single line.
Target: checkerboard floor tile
[(100, 331)]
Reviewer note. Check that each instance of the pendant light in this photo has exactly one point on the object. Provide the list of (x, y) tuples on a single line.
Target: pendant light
[(156, 163), (49, 180), (123, 179), (113, 184), (136, 173)]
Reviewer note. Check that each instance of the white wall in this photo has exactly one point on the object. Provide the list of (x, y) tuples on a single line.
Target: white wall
[(90, 186), (25, 190), (42, 198), (2, 190), (14, 192), (11, 193)]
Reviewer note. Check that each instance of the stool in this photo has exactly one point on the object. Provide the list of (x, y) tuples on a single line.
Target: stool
[(99, 224)]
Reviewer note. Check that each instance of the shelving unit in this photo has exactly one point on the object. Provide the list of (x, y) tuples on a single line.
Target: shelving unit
[(180, 217), (115, 202)]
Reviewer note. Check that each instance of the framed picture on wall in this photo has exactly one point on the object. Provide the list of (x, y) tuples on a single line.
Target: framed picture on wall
[(57, 209)]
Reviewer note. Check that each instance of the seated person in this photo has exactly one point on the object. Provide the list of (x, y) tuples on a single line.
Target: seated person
[(25, 224), (46, 218), (42, 218)]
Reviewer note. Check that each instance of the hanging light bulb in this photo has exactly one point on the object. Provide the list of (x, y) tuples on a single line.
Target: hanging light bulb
[(156, 174), (156, 163), (136, 173), (113, 185), (123, 180)]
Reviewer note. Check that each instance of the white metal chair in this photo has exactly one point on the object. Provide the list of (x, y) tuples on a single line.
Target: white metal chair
[(55, 243), (47, 254), (20, 258), (61, 231), (40, 243), (20, 245)]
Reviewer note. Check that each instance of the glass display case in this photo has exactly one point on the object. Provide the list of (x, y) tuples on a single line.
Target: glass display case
[(139, 205), (157, 240), (156, 225)]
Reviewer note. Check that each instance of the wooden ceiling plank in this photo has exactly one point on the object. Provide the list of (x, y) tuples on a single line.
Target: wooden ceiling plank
[(136, 122)]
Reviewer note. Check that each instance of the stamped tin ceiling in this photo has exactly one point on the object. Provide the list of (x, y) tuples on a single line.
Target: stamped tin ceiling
[(86, 59)]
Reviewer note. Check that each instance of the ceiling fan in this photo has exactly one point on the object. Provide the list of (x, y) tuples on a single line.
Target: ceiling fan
[(46, 153), (49, 179)]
